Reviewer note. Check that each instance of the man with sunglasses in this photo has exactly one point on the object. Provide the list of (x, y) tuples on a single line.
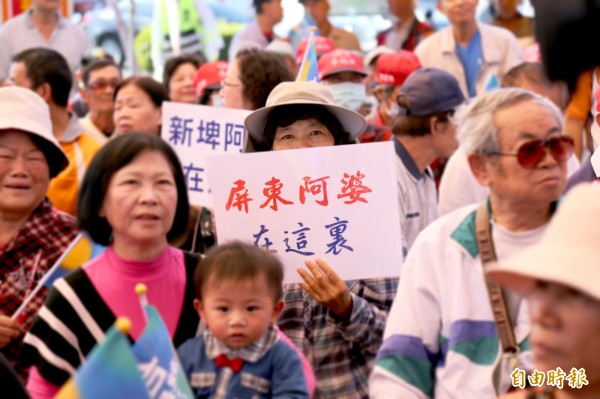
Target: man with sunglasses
[(458, 187), (99, 79), (441, 338)]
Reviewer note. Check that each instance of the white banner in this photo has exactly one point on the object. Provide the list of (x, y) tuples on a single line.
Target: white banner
[(197, 131), (336, 203)]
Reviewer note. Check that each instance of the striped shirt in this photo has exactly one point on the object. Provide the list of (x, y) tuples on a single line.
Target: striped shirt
[(75, 318)]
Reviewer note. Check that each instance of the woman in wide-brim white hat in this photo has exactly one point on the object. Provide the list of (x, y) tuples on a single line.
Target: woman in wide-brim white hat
[(33, 234), (560, 278), (310, 104), (337, 324)]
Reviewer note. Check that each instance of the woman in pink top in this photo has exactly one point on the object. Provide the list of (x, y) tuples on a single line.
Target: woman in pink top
[(133, 199)]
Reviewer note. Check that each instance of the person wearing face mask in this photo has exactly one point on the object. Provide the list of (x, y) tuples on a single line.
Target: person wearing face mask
[(207, 83), (391, 72), (343, 73)]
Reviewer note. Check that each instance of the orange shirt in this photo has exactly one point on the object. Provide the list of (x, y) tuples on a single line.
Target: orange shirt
[(80, 149)]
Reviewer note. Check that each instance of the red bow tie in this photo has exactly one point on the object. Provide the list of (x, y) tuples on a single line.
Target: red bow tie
[(234, 364)]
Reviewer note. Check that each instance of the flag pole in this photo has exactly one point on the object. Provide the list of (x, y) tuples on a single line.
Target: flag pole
[(49, 273), (140, 290), (311, 39)]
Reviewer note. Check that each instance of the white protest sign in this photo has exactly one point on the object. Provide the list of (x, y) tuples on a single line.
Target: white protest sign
[(337, 203), (197, 131)]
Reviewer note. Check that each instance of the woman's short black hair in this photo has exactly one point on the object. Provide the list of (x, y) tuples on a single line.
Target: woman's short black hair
[(112, 157), (285, 115)]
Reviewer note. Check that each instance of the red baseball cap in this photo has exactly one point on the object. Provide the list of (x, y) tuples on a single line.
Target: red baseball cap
[(393, 69), (322, 45), (340, 60), (210, 75)]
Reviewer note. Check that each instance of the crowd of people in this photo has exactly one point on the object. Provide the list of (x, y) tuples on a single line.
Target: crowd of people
[(497, 277)]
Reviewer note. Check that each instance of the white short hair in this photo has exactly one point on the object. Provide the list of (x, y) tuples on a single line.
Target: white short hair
[(476, 128)]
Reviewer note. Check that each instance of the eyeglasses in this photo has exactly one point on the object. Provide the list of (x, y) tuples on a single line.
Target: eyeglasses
[(103, 84), (531, 153), (225, 84)]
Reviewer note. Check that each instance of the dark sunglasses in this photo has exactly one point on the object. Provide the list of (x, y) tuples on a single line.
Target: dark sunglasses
[(103, 84), (531, 153)]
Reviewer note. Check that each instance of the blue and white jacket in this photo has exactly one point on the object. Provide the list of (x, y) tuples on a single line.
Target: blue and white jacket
[(441, 339)]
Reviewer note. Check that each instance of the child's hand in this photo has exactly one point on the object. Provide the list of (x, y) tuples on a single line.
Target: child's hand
[(323, 284)]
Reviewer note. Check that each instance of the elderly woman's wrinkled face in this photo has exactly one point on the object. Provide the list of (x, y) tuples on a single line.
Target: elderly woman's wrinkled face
[(302, 134), (24, 174), (565, 330), (141, 201), (135, 112)]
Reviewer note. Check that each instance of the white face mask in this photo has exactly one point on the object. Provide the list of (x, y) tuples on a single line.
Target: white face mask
[(348, 94), (217, 100)]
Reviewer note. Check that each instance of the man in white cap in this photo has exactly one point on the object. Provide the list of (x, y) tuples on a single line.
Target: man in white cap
[(33, 234), (442, 338)]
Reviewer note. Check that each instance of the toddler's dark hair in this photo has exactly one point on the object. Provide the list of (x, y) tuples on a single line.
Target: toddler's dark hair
[(239, 261)]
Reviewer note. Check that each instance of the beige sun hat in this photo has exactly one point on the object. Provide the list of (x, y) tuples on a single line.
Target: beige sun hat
[(22, 109), (569, 253), (288, 93)]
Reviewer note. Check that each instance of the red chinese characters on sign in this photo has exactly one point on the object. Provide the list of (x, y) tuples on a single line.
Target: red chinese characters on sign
[(353, 190), (273, 194), (238, 197), (314, 187)]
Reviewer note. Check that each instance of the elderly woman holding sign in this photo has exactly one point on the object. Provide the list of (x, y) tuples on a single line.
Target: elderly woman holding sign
[(338, 325), (559, 277), (133, 199), (33, 234)]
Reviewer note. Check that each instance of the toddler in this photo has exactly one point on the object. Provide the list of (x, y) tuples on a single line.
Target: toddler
[(239, 297)]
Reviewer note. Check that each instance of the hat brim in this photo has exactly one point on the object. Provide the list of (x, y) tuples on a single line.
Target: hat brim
[(541, 263), (352, 122), (349, 69)]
